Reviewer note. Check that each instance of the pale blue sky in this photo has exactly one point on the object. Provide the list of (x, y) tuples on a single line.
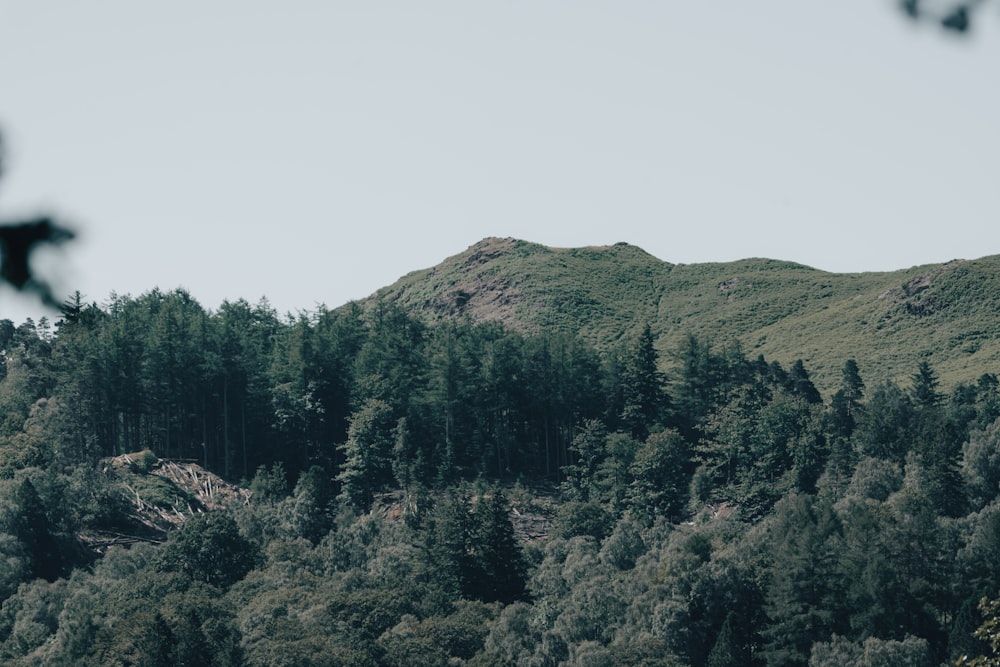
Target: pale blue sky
[(316, 151)]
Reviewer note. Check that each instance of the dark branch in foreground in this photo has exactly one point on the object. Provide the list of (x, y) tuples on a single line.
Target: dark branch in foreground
[(17, 241), (956, 18)]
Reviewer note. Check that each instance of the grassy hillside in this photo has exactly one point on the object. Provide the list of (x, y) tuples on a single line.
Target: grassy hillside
[(946, 313)]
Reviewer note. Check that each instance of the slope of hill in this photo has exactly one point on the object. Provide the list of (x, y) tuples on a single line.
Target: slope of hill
[(946, 313)]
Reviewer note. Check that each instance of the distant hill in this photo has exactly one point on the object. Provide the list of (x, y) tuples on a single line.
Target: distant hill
[(948, 314)]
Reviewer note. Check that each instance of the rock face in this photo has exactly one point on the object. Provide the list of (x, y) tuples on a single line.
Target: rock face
[(472, 284)]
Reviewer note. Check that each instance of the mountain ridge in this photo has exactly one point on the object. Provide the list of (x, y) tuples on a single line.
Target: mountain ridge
[(889, 321)]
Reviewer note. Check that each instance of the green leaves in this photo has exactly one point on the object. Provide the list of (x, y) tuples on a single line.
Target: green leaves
[(660, 477), (209, 549), (367, 467)]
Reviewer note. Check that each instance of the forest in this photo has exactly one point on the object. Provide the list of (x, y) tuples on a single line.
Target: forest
[(702, 508)]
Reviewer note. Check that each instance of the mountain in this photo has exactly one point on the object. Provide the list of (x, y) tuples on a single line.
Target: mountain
[(948, 314)]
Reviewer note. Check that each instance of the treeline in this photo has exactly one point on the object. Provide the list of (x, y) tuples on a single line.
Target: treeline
[(241, 387), (722, 513)]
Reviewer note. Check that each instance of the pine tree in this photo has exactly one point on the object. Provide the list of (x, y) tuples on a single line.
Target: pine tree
[(802, 596), (846, 402), (642, 387), (886, 427), (313, 504), (33, 528), (448, 539), (698, 384), (367, 453), (801, 384), (925, 387), (938, 441), (500, 569)]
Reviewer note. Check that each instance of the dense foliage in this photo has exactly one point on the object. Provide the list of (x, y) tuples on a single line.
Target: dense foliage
[(721, 513)]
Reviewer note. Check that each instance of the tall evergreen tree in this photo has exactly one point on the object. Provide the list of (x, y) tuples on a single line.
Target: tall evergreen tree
[(886, 427), (846, 402), (802, 598), (643, 399), (367, 467), (801, 384), (925, 387), (313, 504), (33, 528), (501, 401), (589, 449), (500, 569), (938, 442), (702, 379), (447, 538)]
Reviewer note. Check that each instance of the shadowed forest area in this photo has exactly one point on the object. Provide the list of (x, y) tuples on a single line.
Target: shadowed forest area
[(721, 513)]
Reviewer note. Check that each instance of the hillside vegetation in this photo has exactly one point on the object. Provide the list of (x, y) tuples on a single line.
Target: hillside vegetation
[(887, 321), (486, 465)]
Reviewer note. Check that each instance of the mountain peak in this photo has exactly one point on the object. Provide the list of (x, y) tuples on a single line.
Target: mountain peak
[(782, 310)]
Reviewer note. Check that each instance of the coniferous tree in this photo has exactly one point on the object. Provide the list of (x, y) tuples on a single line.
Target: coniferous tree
[(809, 448), (846, 402), (448, 536), (642, 387), (886, 428), (980, 465), (340, 336), (845, 410), (445, 434), (925, 387), (801, 384), (697, 386), (564, 387), (589, 449), (298, 414), (32, 527), (961, 638), (500, 569), (937, 441), (245, 337), (502, 402), (314, 504), (367, 454), (987, 399), (390, 364), (802, 597)]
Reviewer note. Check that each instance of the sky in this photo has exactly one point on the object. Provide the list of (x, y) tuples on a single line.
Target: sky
[(311, 152)]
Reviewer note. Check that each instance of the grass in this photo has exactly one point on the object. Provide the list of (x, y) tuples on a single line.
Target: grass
[(948, 314)]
